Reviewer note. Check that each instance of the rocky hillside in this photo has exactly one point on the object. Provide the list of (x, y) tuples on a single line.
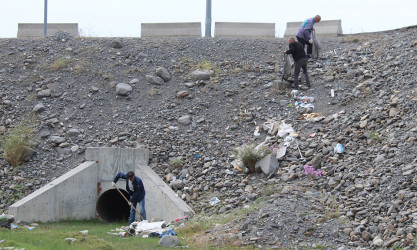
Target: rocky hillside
[(131, 92)]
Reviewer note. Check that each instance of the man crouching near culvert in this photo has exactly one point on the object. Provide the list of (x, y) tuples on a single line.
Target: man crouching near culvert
[(136, 190), (300, 60)]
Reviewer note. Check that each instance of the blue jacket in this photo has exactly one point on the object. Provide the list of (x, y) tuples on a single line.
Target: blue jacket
[(305, 29), (138, 192)]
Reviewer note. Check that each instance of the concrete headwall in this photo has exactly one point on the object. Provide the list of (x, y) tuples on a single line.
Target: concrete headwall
[(75, 194), (37, 29), (232, 29), (323, 28), (170, 29)]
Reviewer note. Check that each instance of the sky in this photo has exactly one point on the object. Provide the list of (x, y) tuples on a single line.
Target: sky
[(122, 18)]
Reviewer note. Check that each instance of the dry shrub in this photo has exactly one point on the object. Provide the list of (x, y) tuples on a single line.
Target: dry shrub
[(19, 141)]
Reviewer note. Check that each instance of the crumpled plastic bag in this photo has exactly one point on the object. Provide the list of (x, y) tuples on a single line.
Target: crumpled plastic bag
[(338, 149), (214, 201), (285, 129)]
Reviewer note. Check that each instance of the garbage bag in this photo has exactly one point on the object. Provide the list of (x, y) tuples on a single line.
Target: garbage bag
[(316, 46), (288, 68)]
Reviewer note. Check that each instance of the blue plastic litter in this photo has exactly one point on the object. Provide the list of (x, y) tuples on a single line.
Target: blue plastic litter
[(169, 232)]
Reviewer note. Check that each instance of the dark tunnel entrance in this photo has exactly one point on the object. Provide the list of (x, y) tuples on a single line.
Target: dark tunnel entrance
[(111, 206)]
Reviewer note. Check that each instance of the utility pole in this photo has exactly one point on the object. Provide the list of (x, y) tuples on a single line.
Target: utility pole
[(208, 18), (45, 20)]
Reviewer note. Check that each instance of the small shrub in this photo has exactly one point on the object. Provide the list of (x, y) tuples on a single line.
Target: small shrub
[(19, 141), (176, 163), (60, 63), (373, 135), (249, 154)]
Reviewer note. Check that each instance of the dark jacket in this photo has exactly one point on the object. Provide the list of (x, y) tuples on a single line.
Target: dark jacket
[(296, 50), (138, 192)]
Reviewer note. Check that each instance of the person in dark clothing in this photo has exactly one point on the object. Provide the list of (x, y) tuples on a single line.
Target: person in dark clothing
[(304, 33), (136, 190), (300, 60)]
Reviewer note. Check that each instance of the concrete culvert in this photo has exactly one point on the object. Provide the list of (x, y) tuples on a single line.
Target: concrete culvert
[(111, 206)]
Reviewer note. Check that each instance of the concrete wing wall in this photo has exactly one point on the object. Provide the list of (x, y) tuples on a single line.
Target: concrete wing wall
[(170, 29), (232, 29), (37, 29), (161, 200), (323, 28), (73, 195)]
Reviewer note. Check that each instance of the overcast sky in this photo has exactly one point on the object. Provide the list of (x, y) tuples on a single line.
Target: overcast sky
[(105, 18)]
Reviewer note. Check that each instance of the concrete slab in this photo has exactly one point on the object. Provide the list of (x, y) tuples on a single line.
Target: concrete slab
[(171, 29), (75, 194), (323, 28), (27, 30), (236, 29)]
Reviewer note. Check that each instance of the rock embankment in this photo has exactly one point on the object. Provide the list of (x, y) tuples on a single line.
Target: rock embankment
[(196, 99)]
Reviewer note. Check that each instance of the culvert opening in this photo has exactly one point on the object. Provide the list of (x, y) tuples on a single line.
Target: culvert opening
[(111, 206)]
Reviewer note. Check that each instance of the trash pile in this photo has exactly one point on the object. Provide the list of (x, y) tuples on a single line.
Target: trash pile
[(147, 229)]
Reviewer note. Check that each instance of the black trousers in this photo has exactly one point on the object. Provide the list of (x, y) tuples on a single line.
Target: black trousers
[(309, 45), (301, 64)]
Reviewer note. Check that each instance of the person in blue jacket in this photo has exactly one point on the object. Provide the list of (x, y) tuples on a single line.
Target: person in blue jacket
[(136, 190), (304, 33)]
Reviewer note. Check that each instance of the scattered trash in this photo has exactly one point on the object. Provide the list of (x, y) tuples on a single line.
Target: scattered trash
[(312, 135), (13, 226), (169, 232), (338, 149), (285, 129), (332, 93), (306, 99), (30, 228), (214, 201), (304, 105), (294, 93), (312, 117), (256, 132), (70, 240), (227, 171), (197, 156), (1, 241), (182, 218), (173, 128), (237, 164), (84, 232)]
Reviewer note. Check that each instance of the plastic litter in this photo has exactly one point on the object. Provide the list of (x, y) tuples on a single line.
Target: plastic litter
[(84, 232), (256, 132), (13, 226), (315, 117), (338, 149), (227, 171), (214, 201), (173, 128), (285, 129)]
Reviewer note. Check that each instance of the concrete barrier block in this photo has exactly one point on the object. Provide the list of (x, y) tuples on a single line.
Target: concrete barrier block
[(323, 28), (171, 29), (27, 30), (235, 29)]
